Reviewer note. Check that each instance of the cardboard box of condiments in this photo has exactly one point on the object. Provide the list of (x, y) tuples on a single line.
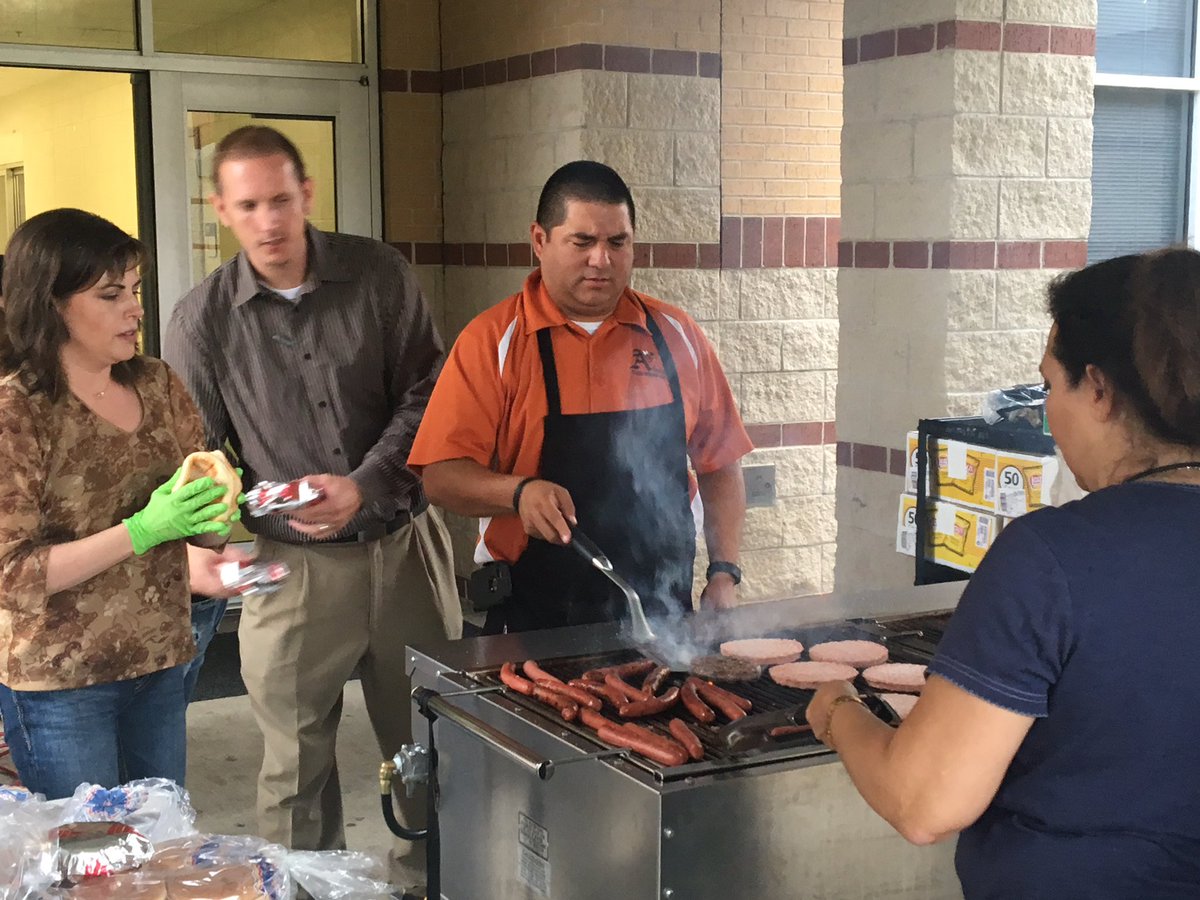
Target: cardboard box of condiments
[(958, 536)]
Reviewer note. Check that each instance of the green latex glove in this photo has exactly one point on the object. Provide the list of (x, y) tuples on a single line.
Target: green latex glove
[(173, 516)]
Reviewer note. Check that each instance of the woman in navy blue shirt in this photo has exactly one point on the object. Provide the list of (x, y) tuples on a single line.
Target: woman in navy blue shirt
[(1059, 731)]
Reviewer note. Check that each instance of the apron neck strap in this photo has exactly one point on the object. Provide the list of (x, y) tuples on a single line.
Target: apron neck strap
[(549, 371), (664, 353)]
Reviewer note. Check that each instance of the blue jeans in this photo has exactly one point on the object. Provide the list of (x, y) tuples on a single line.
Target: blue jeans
[(206, 616), (103, 734)]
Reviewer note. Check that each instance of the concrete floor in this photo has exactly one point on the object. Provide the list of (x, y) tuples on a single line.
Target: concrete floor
[(224, 753)]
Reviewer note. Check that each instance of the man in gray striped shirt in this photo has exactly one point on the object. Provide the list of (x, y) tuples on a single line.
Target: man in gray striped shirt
[(313, 355)]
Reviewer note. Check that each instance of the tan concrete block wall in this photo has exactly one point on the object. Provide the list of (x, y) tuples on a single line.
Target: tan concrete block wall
[(503, 141), (409, 35), (781, 107), (411, 124), (985, 146), (777, 341), (412, 166), (475, 31)]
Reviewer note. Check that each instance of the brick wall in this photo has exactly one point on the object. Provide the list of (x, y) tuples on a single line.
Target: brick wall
[(781, 107)]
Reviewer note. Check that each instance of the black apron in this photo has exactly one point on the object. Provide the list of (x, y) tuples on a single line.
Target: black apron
[(627, 472)]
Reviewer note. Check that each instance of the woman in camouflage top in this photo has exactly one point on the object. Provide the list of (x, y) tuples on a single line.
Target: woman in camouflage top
[(94, 590)]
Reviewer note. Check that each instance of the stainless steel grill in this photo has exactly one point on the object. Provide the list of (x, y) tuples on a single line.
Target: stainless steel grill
[(764, 694), (519, 821)]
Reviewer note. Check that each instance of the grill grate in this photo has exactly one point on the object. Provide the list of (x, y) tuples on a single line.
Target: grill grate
[(765, 694), (919, 634)]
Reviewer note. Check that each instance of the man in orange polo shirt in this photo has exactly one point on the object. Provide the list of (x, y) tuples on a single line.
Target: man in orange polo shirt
[(579, 402)]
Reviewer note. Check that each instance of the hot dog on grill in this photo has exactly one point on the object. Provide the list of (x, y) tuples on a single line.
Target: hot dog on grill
[(654, 681), (510, 678), (638, 708), (583, 698), (662, 740), (724, 702), (595, 720), (700, 710), (652, 746), (617, 683), (624, 670), (601, 690), (633, 669), (536, 673), (567, 708), (708, 689), (687, 737)]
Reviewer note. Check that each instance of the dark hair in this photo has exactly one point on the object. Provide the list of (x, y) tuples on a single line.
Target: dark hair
[(49, 258), (253, 142), (1137, 319), (585, 180)]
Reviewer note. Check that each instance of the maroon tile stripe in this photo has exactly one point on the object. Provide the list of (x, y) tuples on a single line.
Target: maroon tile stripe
[(647, 256), (416, 81), (571, 58), (962, 34), (771, 242), (792, 434), (871, 458), (746, 242), (962, 254)]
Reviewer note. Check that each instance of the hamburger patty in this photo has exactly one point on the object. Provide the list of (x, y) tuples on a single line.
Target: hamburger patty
[(811, 674), (901, 703), (764, 651), (904, 677), (724, 668), (859, 654)]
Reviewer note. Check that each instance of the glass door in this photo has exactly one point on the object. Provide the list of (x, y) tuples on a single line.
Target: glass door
[(329, 122)]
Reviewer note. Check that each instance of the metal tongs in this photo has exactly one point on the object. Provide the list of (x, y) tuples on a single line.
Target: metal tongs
[(638, 626)]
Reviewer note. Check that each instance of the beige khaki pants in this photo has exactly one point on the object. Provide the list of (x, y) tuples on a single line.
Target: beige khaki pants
[(345, 605)]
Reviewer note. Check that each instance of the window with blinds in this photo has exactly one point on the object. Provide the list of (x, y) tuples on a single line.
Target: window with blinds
[(1139, 170), (1145, 102), (1145, 37)]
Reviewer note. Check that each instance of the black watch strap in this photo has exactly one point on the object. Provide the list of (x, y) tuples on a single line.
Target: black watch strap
[(730, 569), (520, 489)]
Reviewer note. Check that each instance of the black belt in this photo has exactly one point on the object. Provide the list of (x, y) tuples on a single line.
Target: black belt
[(380, 530)]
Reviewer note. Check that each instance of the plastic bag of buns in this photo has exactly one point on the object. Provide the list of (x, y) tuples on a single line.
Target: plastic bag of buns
[(200, 867), (26, 850), (127, 886), (222, 867)]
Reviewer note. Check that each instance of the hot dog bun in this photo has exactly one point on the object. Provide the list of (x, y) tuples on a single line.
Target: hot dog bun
[(212, 463)]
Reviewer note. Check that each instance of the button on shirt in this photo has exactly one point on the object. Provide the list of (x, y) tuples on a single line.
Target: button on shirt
[(335, 380)]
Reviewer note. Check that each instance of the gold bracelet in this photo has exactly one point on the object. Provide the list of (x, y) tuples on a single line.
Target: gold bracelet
[(827, 736)]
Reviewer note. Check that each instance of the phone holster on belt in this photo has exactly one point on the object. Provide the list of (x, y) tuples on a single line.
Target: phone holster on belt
[(490, 585)]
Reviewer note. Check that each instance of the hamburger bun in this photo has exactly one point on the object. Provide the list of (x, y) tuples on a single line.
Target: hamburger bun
[(213, 464), (229, 881), (118, 887)]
